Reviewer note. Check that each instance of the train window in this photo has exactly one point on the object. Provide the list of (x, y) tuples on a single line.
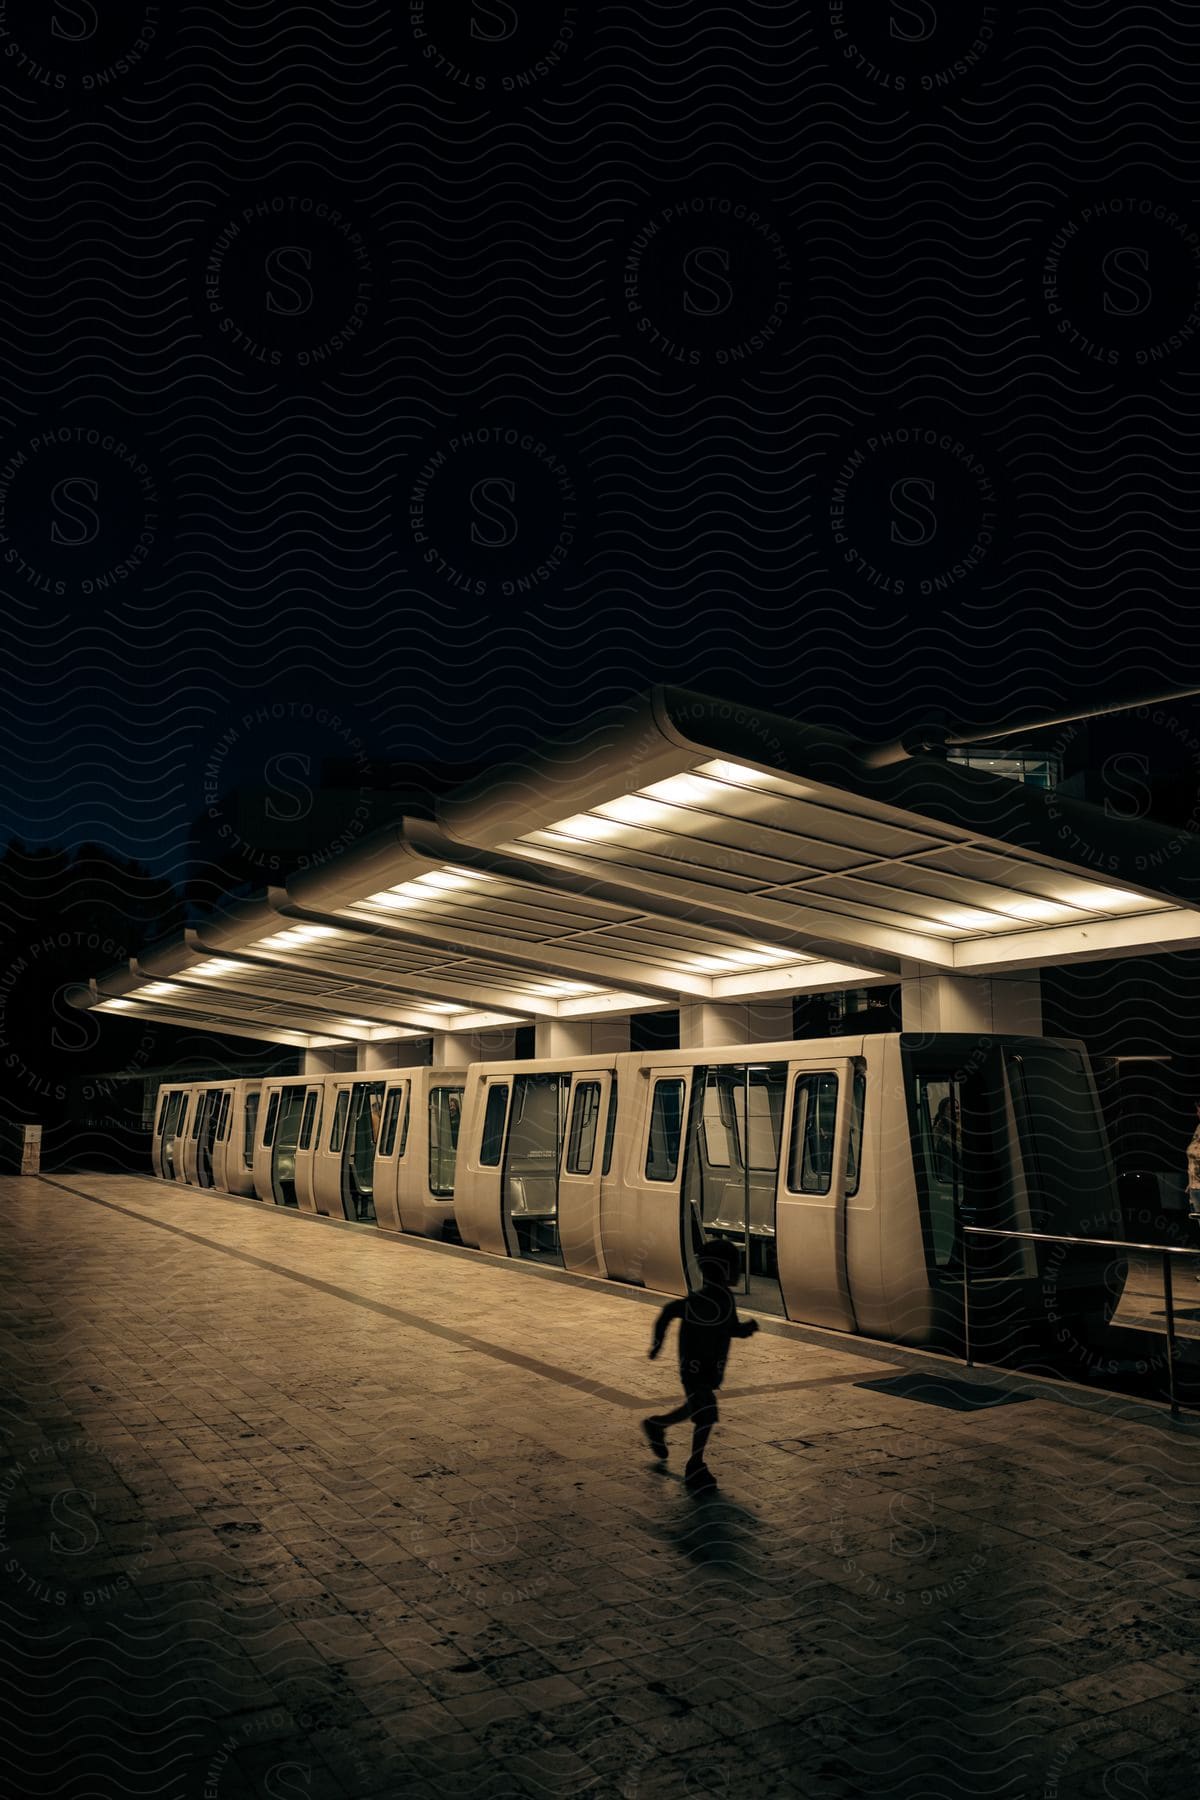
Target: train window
[(272, 1115), (337, 1130), (391, 1118), (854, 1142), (201, 1103), (610, 1128), (581, 1138), (666, 1129), (445, 1116), (939, 1130), (308, 1121), (492, 1144), (757, 1105), (163, 1104), (717, 1122), (249, 1122), (814, 1115), (223, 1121)]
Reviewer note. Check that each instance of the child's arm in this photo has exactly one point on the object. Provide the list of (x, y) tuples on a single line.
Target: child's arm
[(672, 1310), (744, 1328)]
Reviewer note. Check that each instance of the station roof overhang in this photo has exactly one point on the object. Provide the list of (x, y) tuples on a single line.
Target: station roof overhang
[(683, 849)]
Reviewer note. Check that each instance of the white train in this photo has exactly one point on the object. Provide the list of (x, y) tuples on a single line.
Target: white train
[(844, 1168)]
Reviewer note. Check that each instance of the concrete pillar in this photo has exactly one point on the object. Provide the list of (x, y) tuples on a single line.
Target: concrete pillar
[(707, 1023), (982, 1005), (610, 1035), (395, 1053), (563, 1037), (454, 1049), (333, 1059)]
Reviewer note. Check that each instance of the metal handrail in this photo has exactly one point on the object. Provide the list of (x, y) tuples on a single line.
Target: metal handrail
[(1166, 1251)]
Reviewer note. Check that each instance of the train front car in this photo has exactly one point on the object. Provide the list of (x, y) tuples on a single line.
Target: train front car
[(1004, 1134)]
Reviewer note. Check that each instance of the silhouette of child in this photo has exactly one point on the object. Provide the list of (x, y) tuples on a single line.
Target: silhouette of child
[(707, 1321)]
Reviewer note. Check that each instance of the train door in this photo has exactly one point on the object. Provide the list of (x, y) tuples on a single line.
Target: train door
[(183, 1133), (390, 1154), (327, 1158), (963, 1143), (210, 1109), (306, 1145), (283, 1145), (220, 1145), (581, 1171), (532, 1156), (818, 1169), (443, 1119), (483, 1216), (644, 1235), (172, 1100), (244, 1132), (358, 1151), (732, 1168)]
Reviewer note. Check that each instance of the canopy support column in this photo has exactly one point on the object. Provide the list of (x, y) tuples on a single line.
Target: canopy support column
[(987, 1005), (706, 1022)]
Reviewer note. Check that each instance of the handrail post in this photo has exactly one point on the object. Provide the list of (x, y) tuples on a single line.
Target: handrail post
[(966, 1287), (1169, 1308)]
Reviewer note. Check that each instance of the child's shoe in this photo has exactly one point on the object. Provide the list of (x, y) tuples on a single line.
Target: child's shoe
[(655, 1437)]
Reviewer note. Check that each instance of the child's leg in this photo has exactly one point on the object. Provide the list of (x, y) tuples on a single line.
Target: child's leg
[(703, 1406), (676, 1417)]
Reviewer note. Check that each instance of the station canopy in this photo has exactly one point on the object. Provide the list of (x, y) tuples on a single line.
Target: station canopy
[(679, 849)]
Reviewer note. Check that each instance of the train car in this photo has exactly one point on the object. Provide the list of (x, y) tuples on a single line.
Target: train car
[(844, 1169)]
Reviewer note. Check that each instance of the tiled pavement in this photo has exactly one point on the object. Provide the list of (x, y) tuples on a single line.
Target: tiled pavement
[(290, 1510)]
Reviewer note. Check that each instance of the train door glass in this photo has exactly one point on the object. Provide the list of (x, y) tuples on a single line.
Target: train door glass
[(207, 1137), (283, 1151), (731, 1168), (249, 1126), (358, 1150), (962, 1163), (531, 1162), (223, 1121), (391, 1137), (445, 1117), (170, 1125)]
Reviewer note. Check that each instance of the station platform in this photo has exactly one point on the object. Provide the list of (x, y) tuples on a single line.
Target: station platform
[(291, 1508)]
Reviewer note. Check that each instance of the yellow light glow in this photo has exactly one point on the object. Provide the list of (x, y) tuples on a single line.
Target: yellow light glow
[(966, 918), (683, 790), (632, 809), (730, 771), (1109, 899), (394, 902), (584, 825), (115, 1006), (1038, 912), (215, 966), (444, 878), (158, 988)]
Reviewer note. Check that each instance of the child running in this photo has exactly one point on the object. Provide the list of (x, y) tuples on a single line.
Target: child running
[(707, 1321)]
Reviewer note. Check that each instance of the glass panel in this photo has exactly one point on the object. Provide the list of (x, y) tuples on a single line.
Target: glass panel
[(666, 1129), (338, 1129), (939, 1143), (163, 1102), (445, 1116), (358, 1167), (717, 1124), (581, 1139), (610, 1127), (391, 1116), (201, 1102), (223, 1124), (249, 1124), (492, 1146), (814, 1115), (854, 1144), (272, 1115), (308, 1121)]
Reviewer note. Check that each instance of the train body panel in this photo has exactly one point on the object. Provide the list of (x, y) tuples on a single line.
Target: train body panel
[(844, 1169)]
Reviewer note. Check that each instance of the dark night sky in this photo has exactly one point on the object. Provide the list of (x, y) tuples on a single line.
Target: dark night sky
[(436, 373)]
